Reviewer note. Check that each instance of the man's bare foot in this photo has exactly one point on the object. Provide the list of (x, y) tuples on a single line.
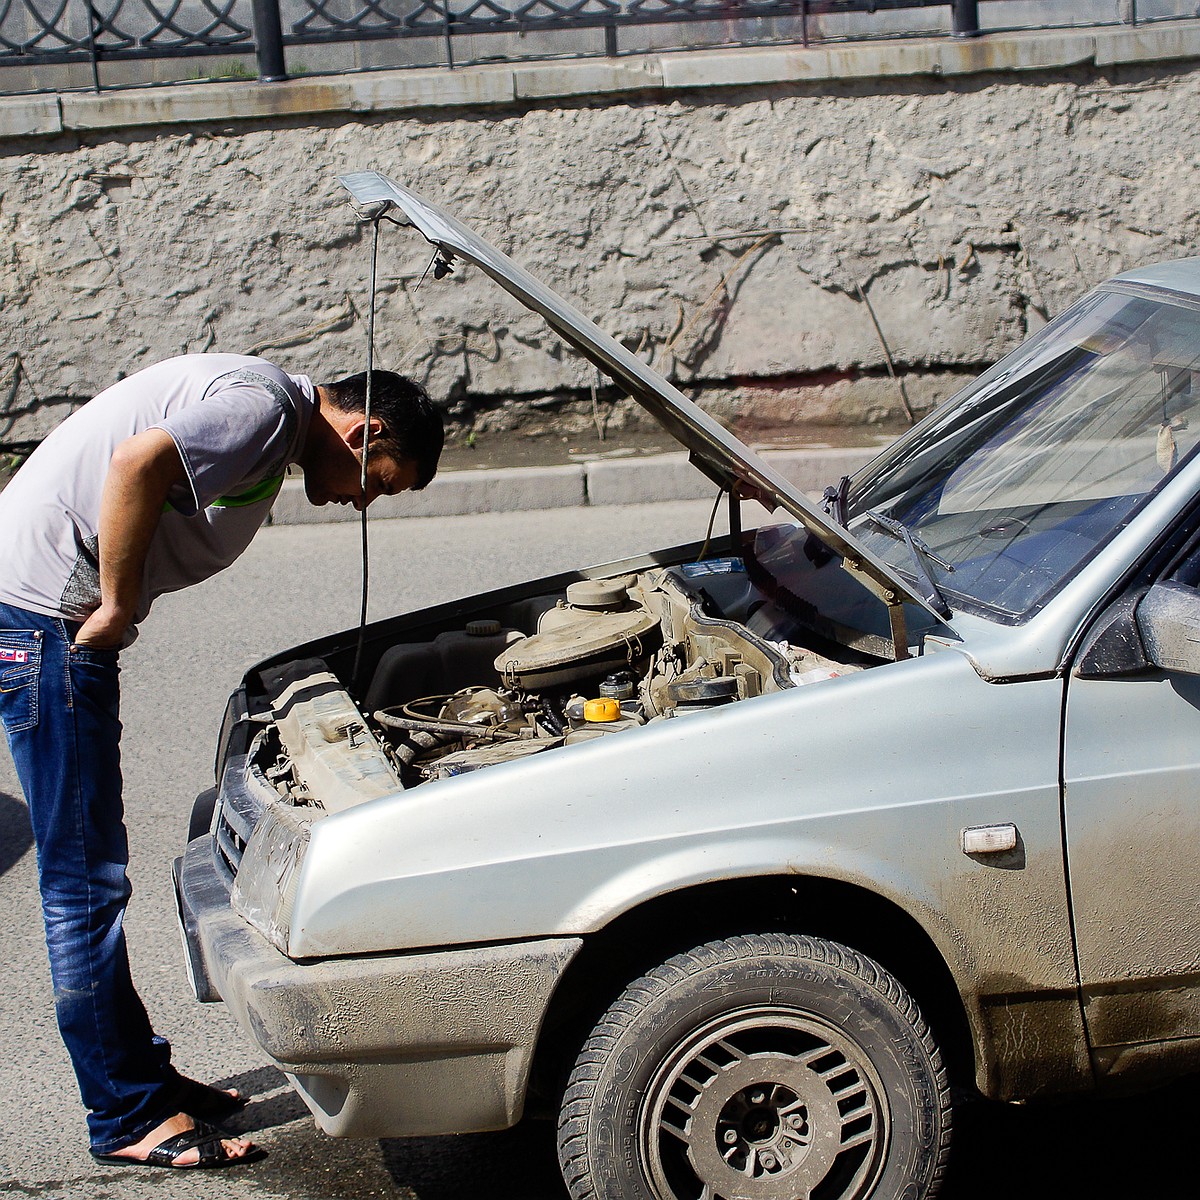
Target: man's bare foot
[(234, 1147)]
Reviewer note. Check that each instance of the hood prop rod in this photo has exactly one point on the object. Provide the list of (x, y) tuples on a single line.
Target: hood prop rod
[(375, 215)]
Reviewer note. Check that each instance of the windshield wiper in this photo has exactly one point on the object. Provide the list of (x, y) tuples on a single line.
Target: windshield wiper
[(918, 551)]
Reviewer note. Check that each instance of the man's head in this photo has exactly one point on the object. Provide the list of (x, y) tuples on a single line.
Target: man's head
[(410, 426), (404, 440)]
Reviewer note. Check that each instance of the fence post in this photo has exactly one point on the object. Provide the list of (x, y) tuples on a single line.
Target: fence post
[(966, 18), (93, 52), (268, 41)]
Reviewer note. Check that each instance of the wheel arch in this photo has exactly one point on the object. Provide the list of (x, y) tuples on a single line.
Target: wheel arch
[(642, 937)]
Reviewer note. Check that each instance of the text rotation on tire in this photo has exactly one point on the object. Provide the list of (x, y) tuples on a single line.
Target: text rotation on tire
[(762, 1067)]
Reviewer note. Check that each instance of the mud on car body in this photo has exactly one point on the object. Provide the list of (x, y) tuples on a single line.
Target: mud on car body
[(734, 857)]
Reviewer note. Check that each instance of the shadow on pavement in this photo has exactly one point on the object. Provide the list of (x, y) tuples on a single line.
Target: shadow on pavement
[(1102, 1149), (520, 1163), (1138, 1145), (272, 1102), (16, 834)]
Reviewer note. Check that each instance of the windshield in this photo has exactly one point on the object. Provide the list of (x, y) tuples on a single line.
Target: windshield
[(1015, 484)]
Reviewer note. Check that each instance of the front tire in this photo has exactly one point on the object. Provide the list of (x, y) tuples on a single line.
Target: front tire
[(763, 1067)]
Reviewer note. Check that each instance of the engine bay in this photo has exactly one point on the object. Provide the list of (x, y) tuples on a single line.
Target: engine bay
[(606, 656)]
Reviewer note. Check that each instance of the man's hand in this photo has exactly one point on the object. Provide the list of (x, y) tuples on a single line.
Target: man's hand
[(141, 473), (103, 630)]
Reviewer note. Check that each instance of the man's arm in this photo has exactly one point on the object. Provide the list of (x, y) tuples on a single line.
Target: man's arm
[(142, 471)]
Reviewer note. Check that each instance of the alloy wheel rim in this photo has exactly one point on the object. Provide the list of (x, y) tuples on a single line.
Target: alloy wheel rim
[(764, 1103)]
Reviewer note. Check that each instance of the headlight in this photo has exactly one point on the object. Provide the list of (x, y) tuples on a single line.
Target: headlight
[(265, 886)]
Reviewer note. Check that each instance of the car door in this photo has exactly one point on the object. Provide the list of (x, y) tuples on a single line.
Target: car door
[(1131, 771)]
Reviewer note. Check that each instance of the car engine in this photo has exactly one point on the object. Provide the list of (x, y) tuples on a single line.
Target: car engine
[(606, 657)]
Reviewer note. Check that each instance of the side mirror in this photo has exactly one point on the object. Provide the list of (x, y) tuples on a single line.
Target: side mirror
[(1168, 620), (1113, 646)]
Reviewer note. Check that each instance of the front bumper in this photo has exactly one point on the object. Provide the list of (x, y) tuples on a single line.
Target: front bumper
[(379, 1046)]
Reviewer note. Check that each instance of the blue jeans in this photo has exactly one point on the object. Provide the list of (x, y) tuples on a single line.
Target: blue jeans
[(59, 706)]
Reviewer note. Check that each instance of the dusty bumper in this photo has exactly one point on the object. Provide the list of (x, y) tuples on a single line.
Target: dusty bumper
[(383, 1046)]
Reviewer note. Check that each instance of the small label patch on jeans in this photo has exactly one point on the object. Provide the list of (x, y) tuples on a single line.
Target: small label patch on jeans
[(13, 656)]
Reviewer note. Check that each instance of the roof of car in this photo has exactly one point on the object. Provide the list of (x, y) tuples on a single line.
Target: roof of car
[(1178, 275)]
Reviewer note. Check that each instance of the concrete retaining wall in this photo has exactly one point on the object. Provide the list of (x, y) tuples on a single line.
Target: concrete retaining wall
[(759, 223)]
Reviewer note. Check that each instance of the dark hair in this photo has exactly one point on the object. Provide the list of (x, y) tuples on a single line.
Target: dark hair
[(412, 426)]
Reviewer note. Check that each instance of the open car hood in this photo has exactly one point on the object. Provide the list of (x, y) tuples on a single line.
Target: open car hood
[(717, 453)]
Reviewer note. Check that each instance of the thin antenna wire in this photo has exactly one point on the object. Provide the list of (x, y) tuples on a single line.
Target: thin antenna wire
[(362, 616)]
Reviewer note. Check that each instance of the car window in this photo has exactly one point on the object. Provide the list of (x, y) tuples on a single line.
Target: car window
[(1017, 482)]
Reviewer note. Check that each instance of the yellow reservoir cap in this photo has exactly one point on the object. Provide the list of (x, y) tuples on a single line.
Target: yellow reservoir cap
[(605, 709)]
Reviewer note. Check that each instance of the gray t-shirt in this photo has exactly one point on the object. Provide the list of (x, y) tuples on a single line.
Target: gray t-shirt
[(237, 422)]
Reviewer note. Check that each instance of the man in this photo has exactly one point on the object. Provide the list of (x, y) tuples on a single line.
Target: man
[(157, 483)]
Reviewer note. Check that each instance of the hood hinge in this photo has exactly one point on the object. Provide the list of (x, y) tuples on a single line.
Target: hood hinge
[(895, 607)]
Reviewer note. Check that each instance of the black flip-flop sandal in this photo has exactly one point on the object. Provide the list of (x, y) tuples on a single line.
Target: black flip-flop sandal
[(204, 1138)]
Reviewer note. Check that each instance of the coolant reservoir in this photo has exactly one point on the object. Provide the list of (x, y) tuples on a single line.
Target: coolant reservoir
[(594, 718)]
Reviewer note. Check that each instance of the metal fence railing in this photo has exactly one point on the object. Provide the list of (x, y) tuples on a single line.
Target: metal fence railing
[(63, 44)]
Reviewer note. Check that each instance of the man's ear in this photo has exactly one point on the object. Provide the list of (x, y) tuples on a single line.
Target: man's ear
[(352, 434)]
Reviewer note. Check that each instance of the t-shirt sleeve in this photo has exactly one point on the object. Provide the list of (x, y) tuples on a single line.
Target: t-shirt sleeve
[(240, 433)]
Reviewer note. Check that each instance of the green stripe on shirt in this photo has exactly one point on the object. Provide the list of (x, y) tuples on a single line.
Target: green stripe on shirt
[(260, 491), (253, 495)]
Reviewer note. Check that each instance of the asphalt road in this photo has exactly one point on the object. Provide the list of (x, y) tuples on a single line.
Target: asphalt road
[(295, 583)]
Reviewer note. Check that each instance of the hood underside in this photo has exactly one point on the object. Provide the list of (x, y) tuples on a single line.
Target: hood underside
[(728, 462)]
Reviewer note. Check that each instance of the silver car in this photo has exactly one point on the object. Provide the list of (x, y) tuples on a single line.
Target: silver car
[(735, 858)]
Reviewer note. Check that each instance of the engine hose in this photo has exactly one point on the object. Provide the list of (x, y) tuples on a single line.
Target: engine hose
[(552, 721), (453, 728)]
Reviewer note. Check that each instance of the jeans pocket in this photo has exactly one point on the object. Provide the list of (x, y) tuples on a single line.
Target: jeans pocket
[(20, 666), (101, 656)]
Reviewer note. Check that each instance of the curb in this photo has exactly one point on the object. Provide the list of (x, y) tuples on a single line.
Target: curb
[(577, 485)]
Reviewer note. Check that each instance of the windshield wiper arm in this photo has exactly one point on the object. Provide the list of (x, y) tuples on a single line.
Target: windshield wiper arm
[(835, 500), (918, 551)]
